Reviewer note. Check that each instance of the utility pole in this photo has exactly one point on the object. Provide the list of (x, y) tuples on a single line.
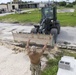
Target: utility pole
[(67, 2), (10, 5), (53, 2)]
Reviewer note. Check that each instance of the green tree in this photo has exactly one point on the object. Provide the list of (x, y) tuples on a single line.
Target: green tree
[(63, 3), (74, 2)]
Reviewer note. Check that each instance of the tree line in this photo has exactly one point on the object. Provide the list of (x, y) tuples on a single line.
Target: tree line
[(66, 3)]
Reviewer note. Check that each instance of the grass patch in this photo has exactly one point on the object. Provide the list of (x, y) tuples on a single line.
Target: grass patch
[(51, 68), (66, 19), (22, 18)]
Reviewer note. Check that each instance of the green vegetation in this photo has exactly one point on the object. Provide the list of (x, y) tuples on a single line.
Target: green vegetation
[(22, 18), (52, 66), (66, 19), (63, 3), (69, 5)]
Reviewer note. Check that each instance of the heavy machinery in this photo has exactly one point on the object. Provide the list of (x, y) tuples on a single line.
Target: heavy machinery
[(41, 33), (49, 23)]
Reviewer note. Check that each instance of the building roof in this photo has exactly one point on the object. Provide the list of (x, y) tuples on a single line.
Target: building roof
[(3, 4)]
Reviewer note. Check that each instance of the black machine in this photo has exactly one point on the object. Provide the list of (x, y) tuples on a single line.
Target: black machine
[(49, 23), (41, 33)]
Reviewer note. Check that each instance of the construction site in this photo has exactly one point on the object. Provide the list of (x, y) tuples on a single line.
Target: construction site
[(59, 56)]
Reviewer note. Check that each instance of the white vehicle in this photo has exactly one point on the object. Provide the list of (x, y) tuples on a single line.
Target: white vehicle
[(67, 66)]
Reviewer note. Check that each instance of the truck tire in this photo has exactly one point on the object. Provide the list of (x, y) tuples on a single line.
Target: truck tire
[(58, 27), (34, 30), (54, 34)]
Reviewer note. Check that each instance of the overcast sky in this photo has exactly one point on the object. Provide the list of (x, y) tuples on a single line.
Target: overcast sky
[(4, 1)]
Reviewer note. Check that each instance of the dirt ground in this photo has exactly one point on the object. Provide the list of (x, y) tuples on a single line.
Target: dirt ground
[(14, 59)]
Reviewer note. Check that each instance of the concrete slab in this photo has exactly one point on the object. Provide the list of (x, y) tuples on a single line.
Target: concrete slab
[(67, 34)]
